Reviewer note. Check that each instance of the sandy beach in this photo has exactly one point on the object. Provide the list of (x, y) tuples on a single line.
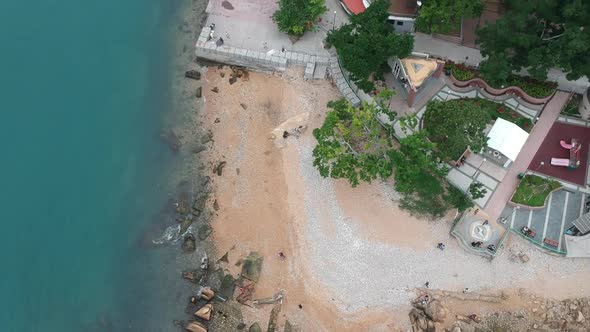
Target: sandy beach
[(354, 260)]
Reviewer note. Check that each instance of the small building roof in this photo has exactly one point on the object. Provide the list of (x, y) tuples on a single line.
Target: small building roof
[(577, 246), (418, 69), (507, 138)]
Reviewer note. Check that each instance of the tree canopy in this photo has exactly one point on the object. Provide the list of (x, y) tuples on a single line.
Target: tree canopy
[(353, 145), (538, 35), (444, 16), (365, 44), (456, 125), (297, 16)]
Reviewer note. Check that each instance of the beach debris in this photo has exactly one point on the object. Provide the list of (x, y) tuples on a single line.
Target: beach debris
[(192, 74), (189, 243), (215, 205), (215, 89), (204, 312), (277, 298), (232, 80), (195, 326), (251, 266), (171, 139), (219, 168), (222, 74), (274, 316), (226, 289), (244, 106), (217, 120), (205, 262), (204, 232), (199, 92), (225, 258), (245, 292), (198, 149), (206, 293), (193, 276), (255, 328)]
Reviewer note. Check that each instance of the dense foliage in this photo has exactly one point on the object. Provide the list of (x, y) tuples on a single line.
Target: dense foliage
[(365, 44), (533, 190), (297, 16), (444, 16), (538, 35), (477, 190), (353, 145), (456, 125)]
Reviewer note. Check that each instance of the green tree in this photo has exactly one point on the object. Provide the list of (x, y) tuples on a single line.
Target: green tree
[(458, 199), (365, 44), (444, 16), (477, 190), (294, 17), (456, 125), (352, 144), (538, 35)]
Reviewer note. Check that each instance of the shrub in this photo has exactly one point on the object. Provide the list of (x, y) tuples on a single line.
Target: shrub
[(294, 17)]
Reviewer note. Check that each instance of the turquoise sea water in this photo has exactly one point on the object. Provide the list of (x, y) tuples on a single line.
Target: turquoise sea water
[(84, 89)]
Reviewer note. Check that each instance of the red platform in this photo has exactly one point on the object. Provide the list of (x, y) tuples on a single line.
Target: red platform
[(552, 149)]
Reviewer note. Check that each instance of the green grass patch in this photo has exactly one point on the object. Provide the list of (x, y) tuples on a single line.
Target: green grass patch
[(571, 109), (533, 190)]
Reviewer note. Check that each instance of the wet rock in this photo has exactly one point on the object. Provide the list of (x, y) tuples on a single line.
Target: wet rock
[(222, 74), (199, 92), (204, 312), (580, 317), (244, 106), (215, 205), (182, 206), (189, 243), (185, 223), (205, 181), (251, 266), (255, 328), (225, 258), (171, 139), (207, 294), (274, 316), (198, 149), (226, 290), (193, 276), (241, 326), (204, 232), (436, 311), (219, 168), (193, 74), (215, 89), (232, 80), (206, 138), (216, 120), (195, 327), (199, 203)]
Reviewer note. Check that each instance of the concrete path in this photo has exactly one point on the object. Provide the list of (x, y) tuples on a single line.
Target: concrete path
[(503, 192)]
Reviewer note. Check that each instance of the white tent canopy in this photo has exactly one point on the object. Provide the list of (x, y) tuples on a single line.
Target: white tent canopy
[(507, 138)]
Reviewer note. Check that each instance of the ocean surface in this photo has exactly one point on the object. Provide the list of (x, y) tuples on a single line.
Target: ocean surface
[(84, 94)]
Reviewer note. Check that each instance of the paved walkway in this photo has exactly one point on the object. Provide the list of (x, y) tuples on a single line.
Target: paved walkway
[(503, 192)]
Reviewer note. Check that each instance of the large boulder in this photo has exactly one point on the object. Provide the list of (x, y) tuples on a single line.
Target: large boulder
[(436, 311), (252, 266), (205, 311), (418, 320), (204, 232), (195, 327), (188, 245), (255, 328)]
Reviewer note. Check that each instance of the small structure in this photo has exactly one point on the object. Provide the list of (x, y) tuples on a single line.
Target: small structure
[(414, 72), (402, 12), (478, 235), (505, 140), (574, 160)]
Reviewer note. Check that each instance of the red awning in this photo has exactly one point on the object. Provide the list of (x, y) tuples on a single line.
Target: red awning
[(354, 6)]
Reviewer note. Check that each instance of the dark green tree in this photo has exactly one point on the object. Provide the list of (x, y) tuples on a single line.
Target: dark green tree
[(352, 144), (456, 125), (458, 199), (365, 44), (538, 35), (294, 17), (477, 190), (444, 16)]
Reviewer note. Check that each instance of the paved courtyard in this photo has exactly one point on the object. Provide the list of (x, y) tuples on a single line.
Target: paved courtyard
[(563, 207)]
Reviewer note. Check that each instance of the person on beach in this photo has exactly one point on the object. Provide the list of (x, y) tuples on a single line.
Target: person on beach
[(485, 222), (441, 246), (427, 284), (282, 256), (465, 290)]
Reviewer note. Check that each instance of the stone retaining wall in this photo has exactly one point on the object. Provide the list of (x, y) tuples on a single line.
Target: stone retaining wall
[(254, 59)]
